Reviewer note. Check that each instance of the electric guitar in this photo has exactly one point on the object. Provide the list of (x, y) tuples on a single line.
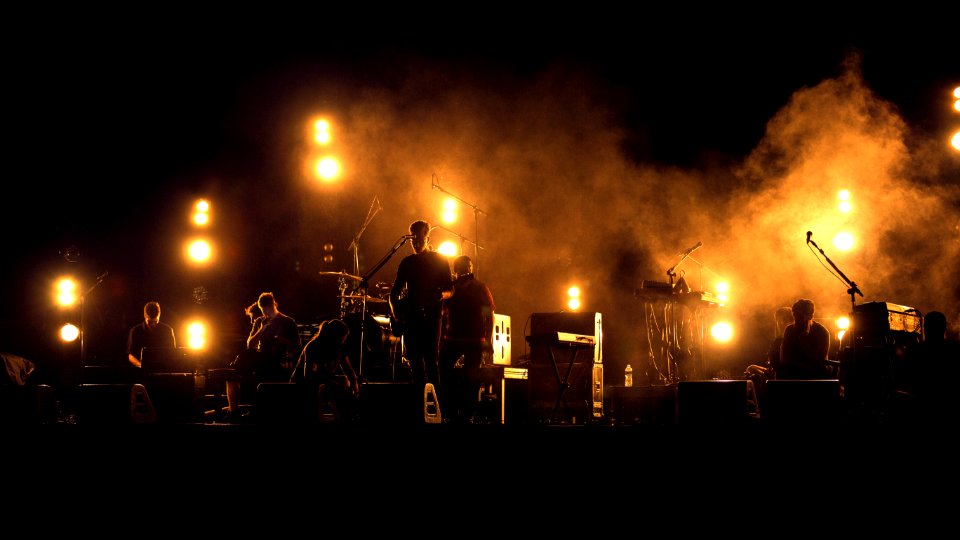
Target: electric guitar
[(397, 323)]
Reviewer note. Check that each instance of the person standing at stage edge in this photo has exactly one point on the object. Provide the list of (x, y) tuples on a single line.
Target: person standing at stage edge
[(423, 282), (467, 335)]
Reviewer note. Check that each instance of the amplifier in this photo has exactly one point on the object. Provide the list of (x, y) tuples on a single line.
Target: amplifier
[(879, 317), (502, 339), (505, 395)]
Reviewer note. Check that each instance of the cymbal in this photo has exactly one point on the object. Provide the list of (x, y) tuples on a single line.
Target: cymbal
[(360, 297), (341, 274)]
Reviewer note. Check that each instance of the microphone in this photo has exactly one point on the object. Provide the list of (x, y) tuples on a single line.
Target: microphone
[(691, 250), (410, 236), (809, 234)]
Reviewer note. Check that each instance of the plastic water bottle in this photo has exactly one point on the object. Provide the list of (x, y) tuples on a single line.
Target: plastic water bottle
[(628, 376)]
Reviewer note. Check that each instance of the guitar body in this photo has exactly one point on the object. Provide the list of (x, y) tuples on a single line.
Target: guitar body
[(397, 323)]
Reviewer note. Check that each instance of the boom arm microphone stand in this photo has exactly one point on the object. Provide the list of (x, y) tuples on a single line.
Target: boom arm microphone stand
[(852, 290), (364, 282)]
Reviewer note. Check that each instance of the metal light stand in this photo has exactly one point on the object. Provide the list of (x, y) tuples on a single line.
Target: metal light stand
[(699, 314), (671, 325), (83, 344), (462, 240), (435, 184)]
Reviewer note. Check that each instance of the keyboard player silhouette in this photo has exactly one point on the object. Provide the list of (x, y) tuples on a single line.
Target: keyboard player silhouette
[(565, 341)]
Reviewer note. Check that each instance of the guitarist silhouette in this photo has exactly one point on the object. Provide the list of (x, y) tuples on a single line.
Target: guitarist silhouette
[(425, 279)]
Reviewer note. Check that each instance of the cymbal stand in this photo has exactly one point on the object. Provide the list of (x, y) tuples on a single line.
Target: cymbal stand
[(375, 208)]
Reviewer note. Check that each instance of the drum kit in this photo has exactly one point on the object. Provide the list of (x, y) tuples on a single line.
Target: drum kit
[(380, 351)]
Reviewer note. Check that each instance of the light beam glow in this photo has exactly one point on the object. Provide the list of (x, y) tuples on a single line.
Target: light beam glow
[(321, 132), (722, 331), (196, 335), (66, 292), (328, 168), (843, 241), (448, 249), (199, 251), (69, 332)]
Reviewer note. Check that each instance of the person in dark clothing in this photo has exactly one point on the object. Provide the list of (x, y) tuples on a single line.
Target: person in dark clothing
[(272, 349), (416, 303), (467, 335), (937, 367), (806, 343), (150, 333), (761, 373), (324, 365)]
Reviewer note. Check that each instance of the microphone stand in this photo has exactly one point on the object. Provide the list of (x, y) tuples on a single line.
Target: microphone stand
[(461, 237), (435, 184), (364, 283), (852, 290)]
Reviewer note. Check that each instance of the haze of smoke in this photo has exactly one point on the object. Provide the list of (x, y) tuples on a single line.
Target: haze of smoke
[(562, 206)]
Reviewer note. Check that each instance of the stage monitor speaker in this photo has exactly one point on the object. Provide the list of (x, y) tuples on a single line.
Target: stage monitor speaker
[(647, 405), (803, 402), (390, 403), (502, 339), (27, 404), (716, 403), (177, 397), (287, 403), (584, 323), (115, 404)]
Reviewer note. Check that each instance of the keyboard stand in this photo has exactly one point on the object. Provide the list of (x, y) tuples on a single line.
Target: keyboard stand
[(564, 382)]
